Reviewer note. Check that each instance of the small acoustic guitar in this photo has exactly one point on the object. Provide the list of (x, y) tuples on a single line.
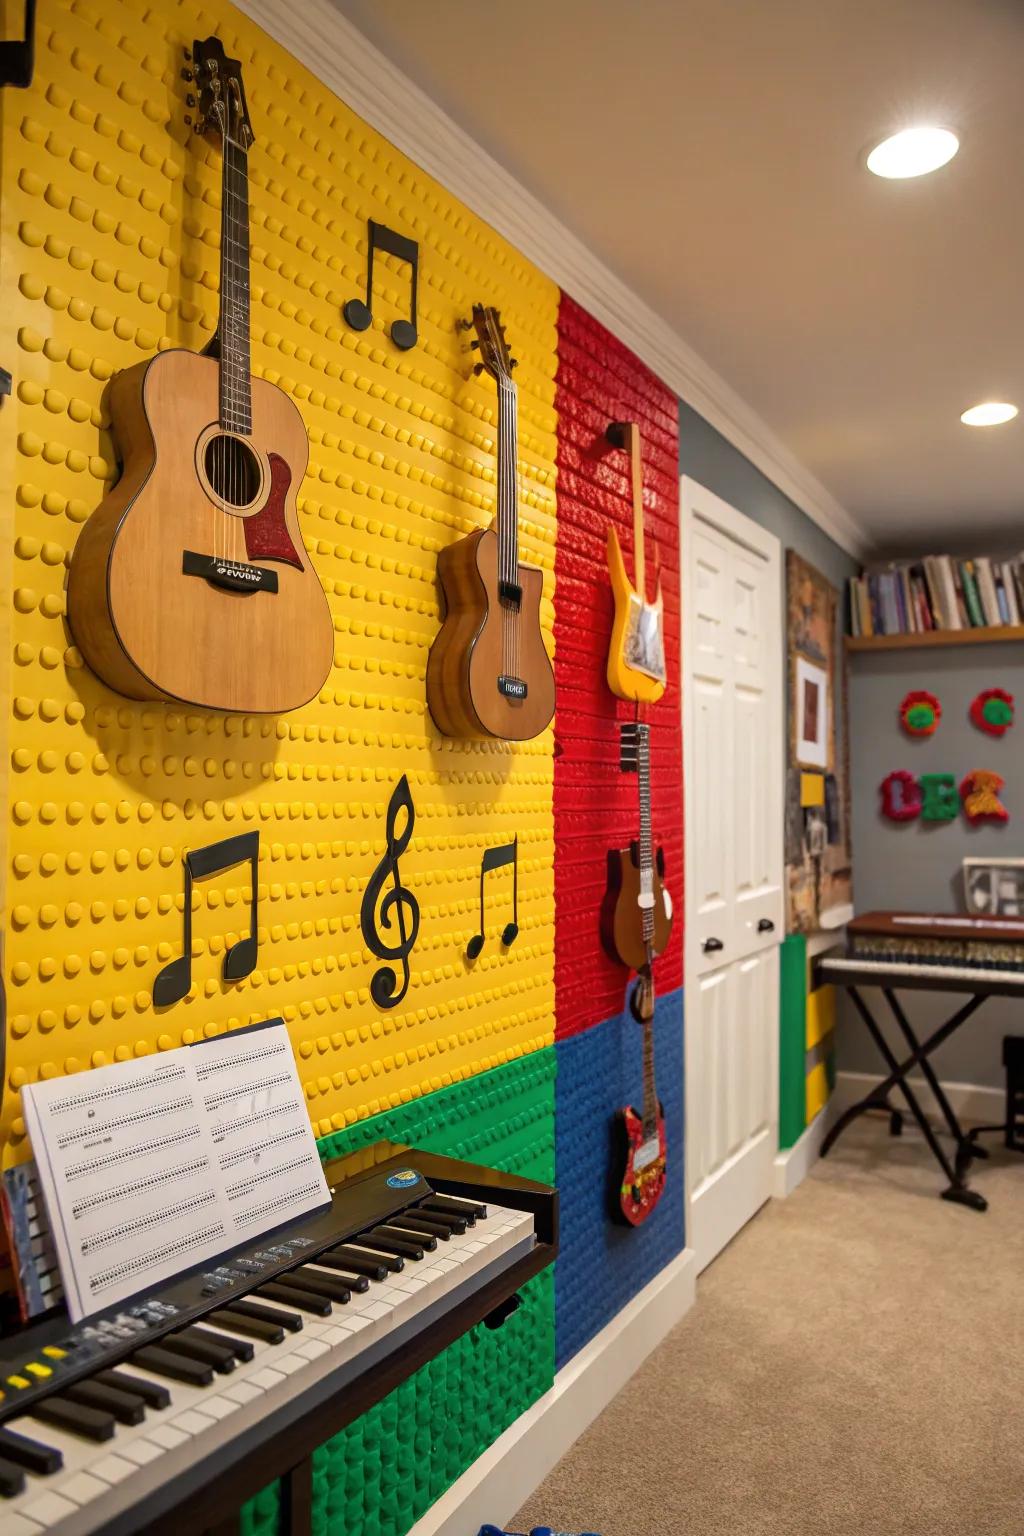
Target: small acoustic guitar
[(636, 920), (636, 655), (190, 580), (488, 673)]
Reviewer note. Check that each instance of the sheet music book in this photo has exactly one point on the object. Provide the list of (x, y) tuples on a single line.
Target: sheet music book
[(150, 1167)]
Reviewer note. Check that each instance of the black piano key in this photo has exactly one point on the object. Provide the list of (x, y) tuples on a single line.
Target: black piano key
[(90, 1423), (354, 1282), (222, 1360), (292, 1296), (451, 1221), (366, 1263), (267, 1333), (456, 1203), (422, 1224), (198, 1333), (175, 1367), (125, 1406), (12, 1480), (324, 1285), (409, 1247), (291, 1321), (152, 1393), (32, 1454)]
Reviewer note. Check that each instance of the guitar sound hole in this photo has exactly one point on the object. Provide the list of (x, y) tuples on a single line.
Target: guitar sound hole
[(233, 470)]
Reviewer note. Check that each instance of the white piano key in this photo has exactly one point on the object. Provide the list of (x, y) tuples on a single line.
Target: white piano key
[(17, 1524), (112, 1469), (191, 1422), (81, 1487), (144, 1451), (47, 1508), (167, 1436)]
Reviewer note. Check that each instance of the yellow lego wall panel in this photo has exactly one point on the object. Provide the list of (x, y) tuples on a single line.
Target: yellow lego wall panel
[(817, 1090), (109, 252), (821, 1014)]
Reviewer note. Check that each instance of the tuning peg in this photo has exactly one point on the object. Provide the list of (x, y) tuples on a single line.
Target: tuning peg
[(474, 346), (463, 325), (513, 362), (478, 367), (188, 120), (188, 54), (190, 100), (187, 74)]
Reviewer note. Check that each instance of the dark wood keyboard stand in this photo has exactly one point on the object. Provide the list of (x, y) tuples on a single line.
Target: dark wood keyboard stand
[(957, 1189)]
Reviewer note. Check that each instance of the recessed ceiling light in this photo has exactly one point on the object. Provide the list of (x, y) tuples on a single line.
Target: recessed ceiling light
[(914, 152), (991, 413)]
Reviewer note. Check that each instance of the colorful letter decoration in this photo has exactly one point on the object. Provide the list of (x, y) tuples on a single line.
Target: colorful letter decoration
[(992, 711), (980, 794), (939, 798), (901, 798), (920, 713)]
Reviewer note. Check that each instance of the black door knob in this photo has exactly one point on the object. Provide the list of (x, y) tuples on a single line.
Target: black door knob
[(710, 945), (766, 925)]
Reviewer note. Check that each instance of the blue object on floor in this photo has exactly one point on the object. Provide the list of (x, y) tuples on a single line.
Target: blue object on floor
[(538, 1530)]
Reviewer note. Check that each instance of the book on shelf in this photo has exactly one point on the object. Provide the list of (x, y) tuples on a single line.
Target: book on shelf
[(909, 597)]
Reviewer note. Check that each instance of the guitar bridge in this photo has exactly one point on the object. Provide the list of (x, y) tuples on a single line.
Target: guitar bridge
[(230, 575), (512, 687)]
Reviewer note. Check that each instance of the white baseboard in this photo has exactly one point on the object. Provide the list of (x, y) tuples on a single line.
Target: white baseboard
[(793, 1165), (501, 1480), (971, 1102)]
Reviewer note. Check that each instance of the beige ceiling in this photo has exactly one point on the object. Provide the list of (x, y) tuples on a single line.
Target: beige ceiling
[(711, 153)]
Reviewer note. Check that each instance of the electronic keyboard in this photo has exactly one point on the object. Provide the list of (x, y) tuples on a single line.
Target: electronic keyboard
[(184, 1403), (948, 953)]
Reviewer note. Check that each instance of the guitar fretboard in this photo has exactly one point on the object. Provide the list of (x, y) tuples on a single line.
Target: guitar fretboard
[(233, 329), (508, 496)]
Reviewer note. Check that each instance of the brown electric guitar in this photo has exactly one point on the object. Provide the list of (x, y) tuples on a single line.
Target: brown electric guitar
[(488, 673), (636, 914), (190, 581)]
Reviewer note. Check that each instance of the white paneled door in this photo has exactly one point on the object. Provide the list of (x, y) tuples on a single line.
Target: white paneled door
[(733, 749)]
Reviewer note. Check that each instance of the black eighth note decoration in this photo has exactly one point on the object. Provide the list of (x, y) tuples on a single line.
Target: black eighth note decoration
[(497, 858), (358, 314), (174, 981), (400, 901)]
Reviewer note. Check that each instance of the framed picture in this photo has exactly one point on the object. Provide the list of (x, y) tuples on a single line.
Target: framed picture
[(812, 711), (994, 887)]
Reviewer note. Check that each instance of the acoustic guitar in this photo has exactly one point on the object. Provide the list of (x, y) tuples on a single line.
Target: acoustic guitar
[(488, 673), (636, 655), (636, 920), (190, 581)]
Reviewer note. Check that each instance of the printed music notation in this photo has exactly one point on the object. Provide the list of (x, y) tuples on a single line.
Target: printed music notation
[(398, 907), (358, 313), (151, 1166)]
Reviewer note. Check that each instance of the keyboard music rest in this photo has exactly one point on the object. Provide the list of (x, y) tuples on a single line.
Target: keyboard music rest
[(214, 1446)]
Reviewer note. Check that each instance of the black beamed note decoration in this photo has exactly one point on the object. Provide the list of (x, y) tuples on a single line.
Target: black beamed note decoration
[(398, 906), (174, 981), (360, 314), (497, 858)]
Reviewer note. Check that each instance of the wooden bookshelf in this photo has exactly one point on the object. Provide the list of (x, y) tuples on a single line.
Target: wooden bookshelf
[(990, 635)]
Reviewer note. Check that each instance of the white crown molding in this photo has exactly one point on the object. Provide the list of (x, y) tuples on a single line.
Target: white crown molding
[(346, 61)]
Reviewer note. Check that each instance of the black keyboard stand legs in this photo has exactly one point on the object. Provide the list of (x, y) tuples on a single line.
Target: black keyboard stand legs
[(957, 1189)]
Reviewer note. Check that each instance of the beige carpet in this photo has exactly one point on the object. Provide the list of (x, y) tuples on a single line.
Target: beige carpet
[(854, 1364)]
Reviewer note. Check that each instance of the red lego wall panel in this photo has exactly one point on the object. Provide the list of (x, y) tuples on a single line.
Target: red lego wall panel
[(596, 808)]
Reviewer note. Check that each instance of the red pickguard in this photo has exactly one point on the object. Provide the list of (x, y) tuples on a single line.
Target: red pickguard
[(266, 532), (640, 1189)]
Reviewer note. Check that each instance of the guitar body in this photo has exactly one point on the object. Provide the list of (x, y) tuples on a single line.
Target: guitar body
[(621, 931), (636, 652), (150, 630), (470, 652), (639, 1166)]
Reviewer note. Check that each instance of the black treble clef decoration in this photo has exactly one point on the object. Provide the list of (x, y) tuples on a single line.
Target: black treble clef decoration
[(384, 987)]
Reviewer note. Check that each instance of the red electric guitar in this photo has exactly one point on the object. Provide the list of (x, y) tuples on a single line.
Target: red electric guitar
[(636, 920), (640, 1139)]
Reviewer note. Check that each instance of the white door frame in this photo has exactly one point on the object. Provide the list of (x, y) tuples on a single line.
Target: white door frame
[(698, 505)]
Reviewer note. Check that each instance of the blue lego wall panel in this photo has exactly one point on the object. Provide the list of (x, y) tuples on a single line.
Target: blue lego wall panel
[(602, 1264)]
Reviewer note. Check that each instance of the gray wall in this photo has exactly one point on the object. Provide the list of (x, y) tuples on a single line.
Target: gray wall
[(916, 865)]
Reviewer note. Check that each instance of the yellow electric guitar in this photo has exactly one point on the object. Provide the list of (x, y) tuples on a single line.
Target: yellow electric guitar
[(636, 656)]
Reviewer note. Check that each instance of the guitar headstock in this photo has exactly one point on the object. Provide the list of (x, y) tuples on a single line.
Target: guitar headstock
[(495, 357), (223, 109), (641, 997), (622, 434), (633, 740)]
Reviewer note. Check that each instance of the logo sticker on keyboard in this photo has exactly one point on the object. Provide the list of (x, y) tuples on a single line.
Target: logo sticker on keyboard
[(403, 1178)]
